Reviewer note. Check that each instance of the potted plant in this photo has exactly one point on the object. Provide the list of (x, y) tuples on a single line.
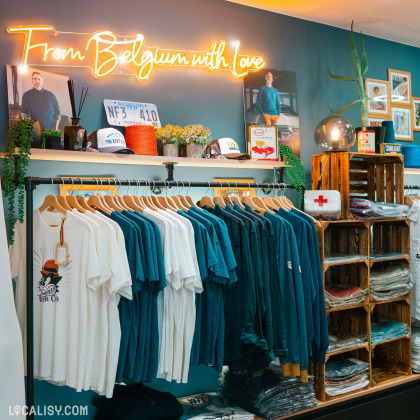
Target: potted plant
[(295, 170), (169, 136), (195, 137), (52, 139), (21, 135), (360, 69)]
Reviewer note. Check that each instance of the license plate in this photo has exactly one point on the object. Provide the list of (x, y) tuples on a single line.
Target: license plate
[(123, 113)]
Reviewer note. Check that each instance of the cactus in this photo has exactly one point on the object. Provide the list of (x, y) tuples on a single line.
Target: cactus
[(360, 69)]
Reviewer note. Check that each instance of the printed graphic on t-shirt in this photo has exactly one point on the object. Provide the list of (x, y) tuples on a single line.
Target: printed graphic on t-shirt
[(51, 276)]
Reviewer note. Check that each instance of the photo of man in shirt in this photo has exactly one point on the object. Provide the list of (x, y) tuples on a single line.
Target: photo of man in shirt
[(41, 105), (268, 101)]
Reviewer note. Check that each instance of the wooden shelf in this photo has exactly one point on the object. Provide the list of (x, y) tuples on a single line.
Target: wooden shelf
[(123, 159), (411, 171), (362, 346), (347, 307), (362, 259), (402, 258), (402, 337), (405, 298)]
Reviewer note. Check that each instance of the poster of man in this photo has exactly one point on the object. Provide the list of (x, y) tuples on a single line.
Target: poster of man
[(40, 95), (270, 98)]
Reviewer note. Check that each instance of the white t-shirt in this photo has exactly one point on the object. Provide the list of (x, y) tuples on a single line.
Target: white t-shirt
[(60, 293), (12, 377), (414, 216)]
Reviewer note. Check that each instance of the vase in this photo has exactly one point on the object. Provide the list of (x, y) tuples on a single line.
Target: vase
[(182, 150), (379, 137), (74, 136), (170, 150), (37, 140), (365, 139), (54, 142), (194, 151)]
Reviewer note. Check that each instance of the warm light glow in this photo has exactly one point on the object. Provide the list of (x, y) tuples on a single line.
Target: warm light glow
[(22, 69), (104, 51), (335, 134)]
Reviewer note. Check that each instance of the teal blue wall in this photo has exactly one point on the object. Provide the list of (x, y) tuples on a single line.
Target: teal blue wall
[(190, 96)]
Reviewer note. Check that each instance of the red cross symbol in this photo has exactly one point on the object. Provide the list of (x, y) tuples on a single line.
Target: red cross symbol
[(320, 200)]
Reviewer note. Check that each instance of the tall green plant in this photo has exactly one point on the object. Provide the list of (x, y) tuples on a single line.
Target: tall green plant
[(19, 135), (360, 69)]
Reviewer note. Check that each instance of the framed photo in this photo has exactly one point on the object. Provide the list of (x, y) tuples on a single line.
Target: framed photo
[(378, 92), (228, 189), (374, 122), (402, 118), (416, 114), (400, 87)]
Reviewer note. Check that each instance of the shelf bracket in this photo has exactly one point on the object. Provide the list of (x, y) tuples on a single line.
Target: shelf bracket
[(170, 167)]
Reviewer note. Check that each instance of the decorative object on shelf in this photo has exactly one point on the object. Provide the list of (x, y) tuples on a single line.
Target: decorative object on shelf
[(360, 69), (334, 134), (389, 133), (365, 139), (170, 137), (21, 135), (141, 139), (225, 148), (195, 137), (263, 142), (400, 87), (75, 134), (323, 204), (390, 149), (52, 140), (295, 170)]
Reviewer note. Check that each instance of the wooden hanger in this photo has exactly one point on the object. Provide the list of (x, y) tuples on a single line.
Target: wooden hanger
[(51, 202), (220, 202), (178, 203), (98, 202), (207, 201), (84, 204), (72, 201), (260, 203), (248, 200), (270, 203)]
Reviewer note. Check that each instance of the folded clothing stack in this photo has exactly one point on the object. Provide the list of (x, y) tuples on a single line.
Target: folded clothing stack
[(266, 394), (385, 329), (340, 295), (415, 349), (366, 209), (389, 283), (340, 340), (211, 405), (344, 375)]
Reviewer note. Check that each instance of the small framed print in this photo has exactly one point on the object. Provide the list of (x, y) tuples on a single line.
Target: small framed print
[(228, 188), (416, 114), (376, 122), (399, 87), (378, 93), (403, 127)]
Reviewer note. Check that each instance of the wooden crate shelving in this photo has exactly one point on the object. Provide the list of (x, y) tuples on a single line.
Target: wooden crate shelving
[(389, 360), (373, 176)]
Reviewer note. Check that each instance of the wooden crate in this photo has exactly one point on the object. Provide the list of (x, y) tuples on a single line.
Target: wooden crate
[(364, 175), (389, 360)]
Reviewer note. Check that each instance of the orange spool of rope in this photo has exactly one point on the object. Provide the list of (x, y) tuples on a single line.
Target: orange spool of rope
[(141, 139)]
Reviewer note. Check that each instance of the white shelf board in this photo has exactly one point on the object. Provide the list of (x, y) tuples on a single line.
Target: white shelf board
[(123, 159), (411, 171)]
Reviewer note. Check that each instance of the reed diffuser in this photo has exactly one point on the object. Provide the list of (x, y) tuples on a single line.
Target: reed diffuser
[(75, 134)]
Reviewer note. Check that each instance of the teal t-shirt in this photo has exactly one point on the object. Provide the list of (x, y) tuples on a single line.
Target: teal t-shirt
[(268, 101)]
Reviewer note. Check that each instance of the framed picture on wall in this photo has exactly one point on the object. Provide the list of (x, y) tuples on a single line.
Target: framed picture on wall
[(416, 114), (377, 121), (402, 118), (400, 87), (228, 189), (378, 93)]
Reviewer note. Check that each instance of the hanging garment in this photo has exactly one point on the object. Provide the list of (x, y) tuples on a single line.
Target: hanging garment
[(413, 215), (12, 378)]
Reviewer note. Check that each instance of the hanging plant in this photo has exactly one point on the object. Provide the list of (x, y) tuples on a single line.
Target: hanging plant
[(19, 135), (295, 170)]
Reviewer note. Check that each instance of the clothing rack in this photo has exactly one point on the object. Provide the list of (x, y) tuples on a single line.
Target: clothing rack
[(30, 185)]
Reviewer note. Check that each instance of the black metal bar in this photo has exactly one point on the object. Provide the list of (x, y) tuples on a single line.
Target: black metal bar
[(29, 298), (130, 182)]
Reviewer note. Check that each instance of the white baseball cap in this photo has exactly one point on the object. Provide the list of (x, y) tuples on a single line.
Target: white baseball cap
[(225, 147), (107, 140)]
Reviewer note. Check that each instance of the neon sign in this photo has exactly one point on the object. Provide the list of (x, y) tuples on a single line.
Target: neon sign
[(107, 53)]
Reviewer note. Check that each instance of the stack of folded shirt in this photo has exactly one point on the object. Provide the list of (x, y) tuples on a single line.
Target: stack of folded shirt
[(266, 394), (366, 209), (344, 375), (341, 295), (385, 329), (340, 340), (211, 406), (415, 349), (390, 282)]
